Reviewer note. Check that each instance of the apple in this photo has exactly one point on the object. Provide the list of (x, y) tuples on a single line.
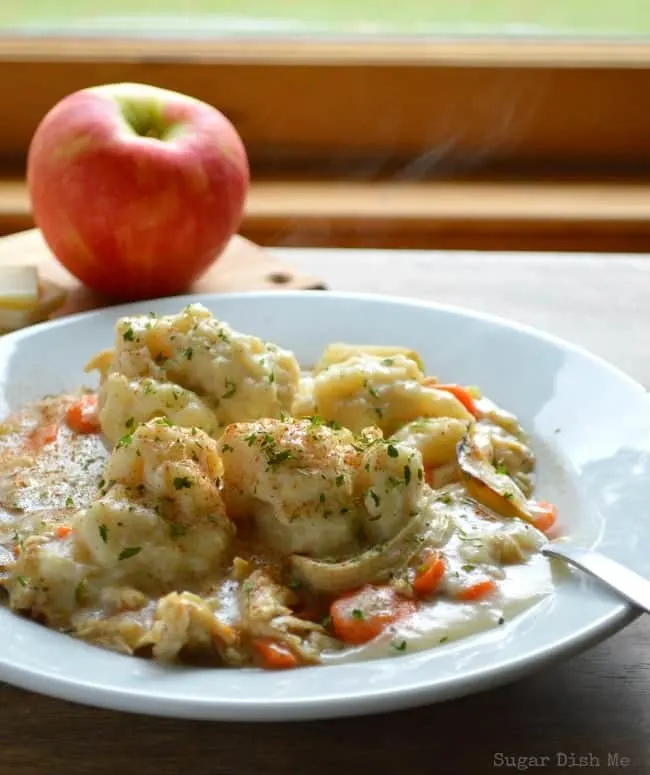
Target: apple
[(136, 189)]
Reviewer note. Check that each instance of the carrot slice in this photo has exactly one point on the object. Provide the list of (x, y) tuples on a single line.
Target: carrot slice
[(81, 416), (359, 616), (274, 655), (429, 574), (463, 395), (42, 435), (544, 515), (477, 591), (63, 531)]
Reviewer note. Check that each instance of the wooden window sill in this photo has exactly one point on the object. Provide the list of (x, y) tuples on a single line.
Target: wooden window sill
[(609, 216), (438, 105)]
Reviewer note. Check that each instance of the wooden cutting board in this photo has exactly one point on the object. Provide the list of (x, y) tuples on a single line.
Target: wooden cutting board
[(243, 266)]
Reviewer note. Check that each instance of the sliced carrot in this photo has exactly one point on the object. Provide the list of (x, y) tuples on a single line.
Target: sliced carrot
[(360, 616), (81, 416), (477, 591), (42, 435), (274, 655), (429, 574), (462, 394), (63, 531), (544, 515)]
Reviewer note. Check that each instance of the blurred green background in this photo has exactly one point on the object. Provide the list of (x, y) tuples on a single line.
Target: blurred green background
[(446, 17)]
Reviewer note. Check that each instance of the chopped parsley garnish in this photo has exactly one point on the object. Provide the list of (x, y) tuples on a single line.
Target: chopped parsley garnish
[(468, 568), (357, 613), (446, 498), (69, 503), (420, 474), (129, 423), (129, 551), (267, 440), (500, 468), (373, 391), (222, 335), (501, 620), (388, 362), (399, 645), (164, 421), (335, 425), (278, 457), (182, 482), (508, 495), (339, 480), (407, 474), (188, 353), (444, 639), (344, 510), (271, 378), (103, 532), (226, 448), (231, 387), (376, 499), (321, 497), (125, 441), (294, 584), (392, 451), (22, 580), (128, 335)]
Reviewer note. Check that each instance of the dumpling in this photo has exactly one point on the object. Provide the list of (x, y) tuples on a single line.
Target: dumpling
[(236, 376), (297, 480), (317, 490), (436, 438), (390, 481), (161, 520), (158, 524), (367, 389), (126, 403)]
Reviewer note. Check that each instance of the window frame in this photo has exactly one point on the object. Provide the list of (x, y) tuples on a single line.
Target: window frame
[(495, 103), (502, 112)]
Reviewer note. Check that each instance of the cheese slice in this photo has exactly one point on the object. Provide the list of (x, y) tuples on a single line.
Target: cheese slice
[(18, 287), (49, 297)]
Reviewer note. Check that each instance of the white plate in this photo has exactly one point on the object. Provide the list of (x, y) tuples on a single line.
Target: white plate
[(590, 426)]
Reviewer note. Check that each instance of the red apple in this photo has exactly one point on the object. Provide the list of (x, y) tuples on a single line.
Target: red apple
[(136, 189)]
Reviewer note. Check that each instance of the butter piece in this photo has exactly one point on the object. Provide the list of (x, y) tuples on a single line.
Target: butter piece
[(18, 287), (49, 298)]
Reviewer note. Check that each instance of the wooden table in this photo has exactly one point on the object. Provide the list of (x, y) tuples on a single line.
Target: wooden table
[(596, 705)]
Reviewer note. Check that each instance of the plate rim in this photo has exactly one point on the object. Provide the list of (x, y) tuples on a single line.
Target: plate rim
[(397, 300)]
